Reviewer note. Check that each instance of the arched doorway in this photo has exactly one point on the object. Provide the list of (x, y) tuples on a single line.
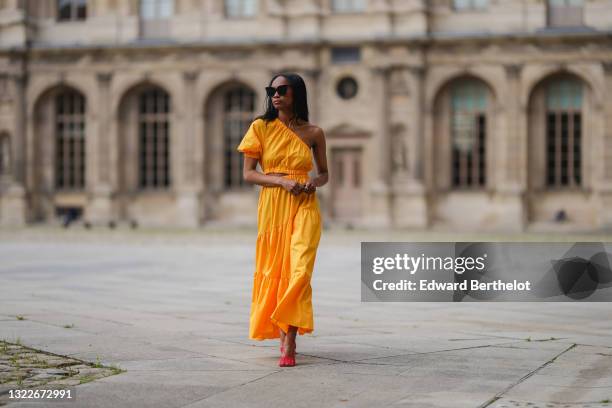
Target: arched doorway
[(60, 154), (558, 138), (228, 111), (463, 153), (145, 148)]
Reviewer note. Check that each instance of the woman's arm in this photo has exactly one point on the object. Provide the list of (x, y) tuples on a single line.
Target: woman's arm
[(320, 156)]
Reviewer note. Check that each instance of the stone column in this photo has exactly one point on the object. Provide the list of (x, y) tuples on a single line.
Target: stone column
[(105, 119), (18, 83), (425, 167), (312, 87), (13, 211), (604, 185), (607, 112), (11, 4), (415, 149), (409, 201), (379, 211), (188, 190), (513, 149), (100, 206)]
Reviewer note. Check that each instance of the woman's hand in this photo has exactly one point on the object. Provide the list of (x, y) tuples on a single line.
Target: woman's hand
[(292, 186), (309, 187)]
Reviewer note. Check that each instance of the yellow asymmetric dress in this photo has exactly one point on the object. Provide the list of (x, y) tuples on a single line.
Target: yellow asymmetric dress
[(288, 233)]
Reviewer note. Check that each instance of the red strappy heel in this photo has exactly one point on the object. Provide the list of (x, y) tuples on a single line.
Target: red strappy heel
[(286, 361)]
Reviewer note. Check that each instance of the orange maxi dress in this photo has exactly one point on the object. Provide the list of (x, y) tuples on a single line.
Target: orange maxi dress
[(288, 233)]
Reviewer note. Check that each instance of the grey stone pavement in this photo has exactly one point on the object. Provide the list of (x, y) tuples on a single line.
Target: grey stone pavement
[(172, 308)]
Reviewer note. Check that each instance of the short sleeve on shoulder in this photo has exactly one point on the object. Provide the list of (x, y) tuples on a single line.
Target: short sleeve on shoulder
[(251, 142)]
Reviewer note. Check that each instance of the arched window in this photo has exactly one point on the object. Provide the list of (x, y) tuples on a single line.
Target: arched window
[(468, 133), (154, 138), (69, 140), (5, 154), (238, 107), (563, 132)]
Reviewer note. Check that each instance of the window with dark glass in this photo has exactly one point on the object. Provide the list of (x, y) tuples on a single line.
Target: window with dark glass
[(563, 133), (154, 139), (238, 109), (69, 140), (340, 55), (71, 10), (468, 133)]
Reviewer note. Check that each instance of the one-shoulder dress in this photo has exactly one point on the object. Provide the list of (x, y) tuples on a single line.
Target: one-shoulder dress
[(288, 233)]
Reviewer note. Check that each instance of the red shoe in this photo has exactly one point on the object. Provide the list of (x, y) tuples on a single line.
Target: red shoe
[(286, 361), (290, 361)]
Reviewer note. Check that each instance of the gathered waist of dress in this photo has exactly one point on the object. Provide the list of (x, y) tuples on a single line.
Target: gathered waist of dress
[(292, 172)]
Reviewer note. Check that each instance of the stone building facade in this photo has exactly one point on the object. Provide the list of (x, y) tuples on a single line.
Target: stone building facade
[(444, 114)]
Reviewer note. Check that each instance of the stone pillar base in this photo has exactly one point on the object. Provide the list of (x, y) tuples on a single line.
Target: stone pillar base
[(13, 206), (378, 212), (605, 210), (409, 205), (100, 208), (188, 209), (513, 216), (460, 211)]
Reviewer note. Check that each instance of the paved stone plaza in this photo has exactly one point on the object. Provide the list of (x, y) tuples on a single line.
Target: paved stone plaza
[(172, 309)]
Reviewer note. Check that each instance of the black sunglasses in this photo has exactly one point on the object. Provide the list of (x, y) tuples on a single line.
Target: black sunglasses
[(282, 90)]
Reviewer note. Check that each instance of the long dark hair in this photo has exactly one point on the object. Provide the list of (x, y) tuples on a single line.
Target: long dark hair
[(300, 100)]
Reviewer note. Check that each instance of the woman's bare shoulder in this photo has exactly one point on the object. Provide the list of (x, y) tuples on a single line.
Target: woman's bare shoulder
[(316, 132), (311, 128)]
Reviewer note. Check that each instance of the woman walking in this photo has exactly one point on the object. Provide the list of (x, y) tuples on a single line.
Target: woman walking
[(289, 218)]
